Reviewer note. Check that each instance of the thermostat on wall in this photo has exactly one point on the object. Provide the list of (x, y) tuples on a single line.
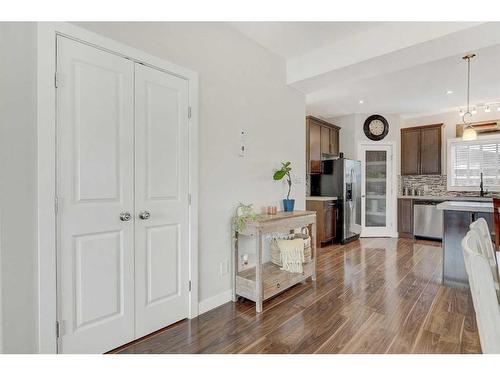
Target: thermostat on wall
[(242, 142)]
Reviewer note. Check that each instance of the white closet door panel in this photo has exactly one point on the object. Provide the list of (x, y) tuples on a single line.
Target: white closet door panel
[(95, 124), (161, 183), (162, 142), (97, 130)]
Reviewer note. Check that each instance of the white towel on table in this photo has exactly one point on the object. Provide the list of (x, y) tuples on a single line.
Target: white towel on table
[(292, 254)]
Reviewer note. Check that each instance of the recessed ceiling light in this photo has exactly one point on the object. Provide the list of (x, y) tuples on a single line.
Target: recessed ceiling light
[(361, 102), (449, 92)]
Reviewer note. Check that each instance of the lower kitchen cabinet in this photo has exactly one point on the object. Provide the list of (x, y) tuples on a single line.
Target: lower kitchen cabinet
[(326, 219), (405, 217)]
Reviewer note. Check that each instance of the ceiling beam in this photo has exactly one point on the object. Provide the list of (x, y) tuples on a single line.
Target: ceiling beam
[(385, 49)]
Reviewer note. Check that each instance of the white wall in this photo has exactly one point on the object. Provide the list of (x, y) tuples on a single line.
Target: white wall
[(450, 120), (242, 86), (17, 187)]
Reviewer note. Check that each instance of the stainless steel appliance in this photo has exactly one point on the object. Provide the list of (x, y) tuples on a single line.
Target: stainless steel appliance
[(341, 178), (427, 220)]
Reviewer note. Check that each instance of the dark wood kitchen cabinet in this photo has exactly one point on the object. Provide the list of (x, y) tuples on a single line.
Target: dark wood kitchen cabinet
[(430, 150), (410, 151), (321, 138), (421, 150), (326, 219), (314, 149), (405, 217)]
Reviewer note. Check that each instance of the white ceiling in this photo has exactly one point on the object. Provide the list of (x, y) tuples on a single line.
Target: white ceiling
[(417, 90), (291, 39), (401, 68)]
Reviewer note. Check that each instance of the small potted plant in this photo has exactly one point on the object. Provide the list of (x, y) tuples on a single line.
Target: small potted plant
[(288, 203)]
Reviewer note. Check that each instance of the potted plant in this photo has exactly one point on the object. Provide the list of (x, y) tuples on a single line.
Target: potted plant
[(288, 203), (244, 213)]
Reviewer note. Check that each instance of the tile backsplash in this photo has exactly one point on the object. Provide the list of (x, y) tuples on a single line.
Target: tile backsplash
[(432, 185)]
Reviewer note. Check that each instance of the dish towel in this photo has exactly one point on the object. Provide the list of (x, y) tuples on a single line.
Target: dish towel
[(292, 254)]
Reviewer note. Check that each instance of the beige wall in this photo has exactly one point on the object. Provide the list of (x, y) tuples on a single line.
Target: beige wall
[(18, 272)]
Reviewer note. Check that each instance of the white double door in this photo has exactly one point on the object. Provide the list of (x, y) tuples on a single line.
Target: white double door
[(122, 187)]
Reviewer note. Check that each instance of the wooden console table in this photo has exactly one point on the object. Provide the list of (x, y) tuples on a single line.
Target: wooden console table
[(267, 279)]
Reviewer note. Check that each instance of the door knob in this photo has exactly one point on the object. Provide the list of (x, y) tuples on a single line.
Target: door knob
[(125, 216), (144, 215)]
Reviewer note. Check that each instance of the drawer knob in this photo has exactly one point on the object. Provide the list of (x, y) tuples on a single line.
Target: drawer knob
[(278, 285)]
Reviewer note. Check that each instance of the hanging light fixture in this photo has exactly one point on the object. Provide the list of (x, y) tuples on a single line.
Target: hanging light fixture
[(469, 133)]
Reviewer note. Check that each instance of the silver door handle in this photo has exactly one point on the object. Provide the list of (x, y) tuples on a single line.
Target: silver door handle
[(125, 216), (144, 215)]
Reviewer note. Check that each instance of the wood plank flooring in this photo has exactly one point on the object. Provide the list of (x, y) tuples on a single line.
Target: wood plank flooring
[(378, 295)]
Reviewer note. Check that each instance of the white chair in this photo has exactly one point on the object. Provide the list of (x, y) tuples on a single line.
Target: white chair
[(483, 292), (480, 226)]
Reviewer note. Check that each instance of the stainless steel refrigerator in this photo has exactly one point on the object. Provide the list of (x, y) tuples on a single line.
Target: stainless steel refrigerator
[(341, 178)]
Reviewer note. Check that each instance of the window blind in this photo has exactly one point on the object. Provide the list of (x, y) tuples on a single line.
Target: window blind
[(470, 158)]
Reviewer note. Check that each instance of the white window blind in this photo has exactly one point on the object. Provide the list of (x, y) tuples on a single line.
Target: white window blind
[(469, 158)]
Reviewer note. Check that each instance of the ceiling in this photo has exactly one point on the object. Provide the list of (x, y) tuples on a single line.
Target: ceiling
[(393, 67), (291, 39)]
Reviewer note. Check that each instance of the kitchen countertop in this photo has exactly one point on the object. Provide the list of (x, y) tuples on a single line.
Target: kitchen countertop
[(466, 206), (446, 198), (322, 199)]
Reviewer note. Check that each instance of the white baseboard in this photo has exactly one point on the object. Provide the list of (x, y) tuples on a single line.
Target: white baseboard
[(215, 301)]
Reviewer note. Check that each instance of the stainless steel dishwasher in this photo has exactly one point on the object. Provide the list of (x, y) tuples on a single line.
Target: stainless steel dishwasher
[(427, 220)]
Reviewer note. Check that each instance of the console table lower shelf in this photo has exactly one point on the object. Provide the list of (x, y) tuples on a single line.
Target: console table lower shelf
[(274, 280)]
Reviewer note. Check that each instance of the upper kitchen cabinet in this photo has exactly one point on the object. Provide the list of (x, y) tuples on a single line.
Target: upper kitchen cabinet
[(322, 141), (410, 151), (421, 150)]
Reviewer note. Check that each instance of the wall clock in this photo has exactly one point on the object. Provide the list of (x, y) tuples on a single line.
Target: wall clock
[(376, 127)]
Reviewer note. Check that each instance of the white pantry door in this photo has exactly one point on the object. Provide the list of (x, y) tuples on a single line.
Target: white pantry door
[(95, 185), (161, 199), (377, 195)]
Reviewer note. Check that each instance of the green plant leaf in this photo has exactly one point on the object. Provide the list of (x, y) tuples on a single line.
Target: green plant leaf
[(278, 175)]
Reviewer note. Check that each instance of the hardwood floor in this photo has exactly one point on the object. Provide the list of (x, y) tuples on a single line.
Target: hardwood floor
[(372, 296)]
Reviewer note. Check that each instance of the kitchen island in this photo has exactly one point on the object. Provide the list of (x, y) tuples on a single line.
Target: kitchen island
[(457, 216)]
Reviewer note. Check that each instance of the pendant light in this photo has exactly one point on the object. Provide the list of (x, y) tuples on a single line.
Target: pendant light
[(469, 133)]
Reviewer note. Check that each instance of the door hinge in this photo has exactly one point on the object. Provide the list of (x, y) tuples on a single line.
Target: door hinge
[(56, 205), (189, 285), (189, 112), (189, 199)]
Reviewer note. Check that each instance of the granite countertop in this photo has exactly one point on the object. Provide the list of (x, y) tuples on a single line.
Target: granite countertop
[(446, 198), (466, 206), (323, 199)]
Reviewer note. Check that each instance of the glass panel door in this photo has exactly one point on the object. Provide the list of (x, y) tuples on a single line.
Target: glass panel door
[(375, 188), (378, 206)]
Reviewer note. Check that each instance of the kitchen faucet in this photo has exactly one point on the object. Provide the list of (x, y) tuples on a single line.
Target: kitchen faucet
[(482, 192)]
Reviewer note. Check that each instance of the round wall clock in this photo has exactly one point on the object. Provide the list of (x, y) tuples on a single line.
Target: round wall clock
[(376, 127)]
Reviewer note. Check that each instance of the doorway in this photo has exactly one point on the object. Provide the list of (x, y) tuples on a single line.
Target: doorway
[(122, 190)]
